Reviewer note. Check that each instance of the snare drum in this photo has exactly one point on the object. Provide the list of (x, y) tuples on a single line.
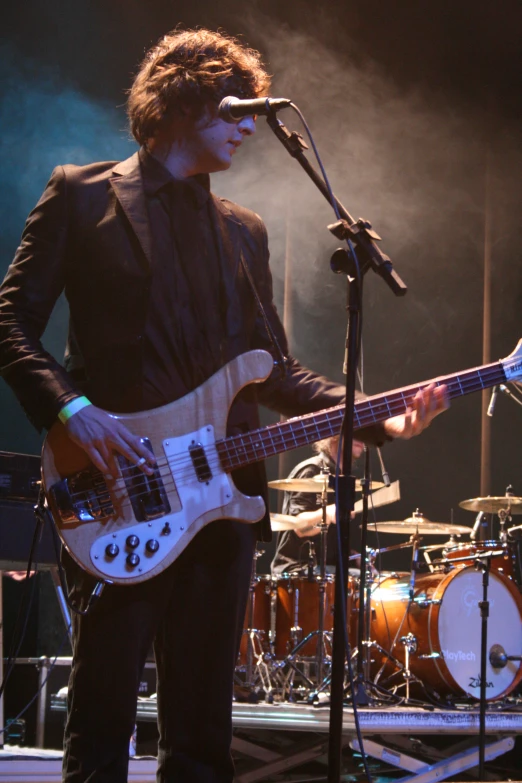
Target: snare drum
[(445, 622), (504, 563), (258, 618)]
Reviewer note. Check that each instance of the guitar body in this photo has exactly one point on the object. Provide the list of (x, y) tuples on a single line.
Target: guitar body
[(182, 501)]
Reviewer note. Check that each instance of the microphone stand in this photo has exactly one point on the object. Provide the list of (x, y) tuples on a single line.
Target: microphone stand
[(361, 695), (485, 564), (361, 234)]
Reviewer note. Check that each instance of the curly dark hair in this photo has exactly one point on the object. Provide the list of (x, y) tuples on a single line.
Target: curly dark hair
[(191, 68)]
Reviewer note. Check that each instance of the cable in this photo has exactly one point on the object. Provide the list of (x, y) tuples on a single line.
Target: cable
[(98, 588)]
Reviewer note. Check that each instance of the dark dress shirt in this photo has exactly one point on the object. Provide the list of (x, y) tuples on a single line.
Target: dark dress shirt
[(185, 327)]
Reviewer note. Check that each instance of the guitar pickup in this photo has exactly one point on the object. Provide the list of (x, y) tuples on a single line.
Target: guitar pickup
[(83, 497), (146, 493), (200, 462)]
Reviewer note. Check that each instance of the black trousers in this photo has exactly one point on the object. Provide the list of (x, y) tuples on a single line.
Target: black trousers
[(193, 615)]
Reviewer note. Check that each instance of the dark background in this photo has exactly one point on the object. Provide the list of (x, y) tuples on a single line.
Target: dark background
[(416, 109)]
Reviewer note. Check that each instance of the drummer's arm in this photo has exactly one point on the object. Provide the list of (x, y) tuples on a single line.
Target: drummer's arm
[(308, 521), (312, 519)]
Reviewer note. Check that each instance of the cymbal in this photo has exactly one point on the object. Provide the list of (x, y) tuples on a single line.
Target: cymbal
[(492, 505), (284, 522), (313, 484), (418, 523)]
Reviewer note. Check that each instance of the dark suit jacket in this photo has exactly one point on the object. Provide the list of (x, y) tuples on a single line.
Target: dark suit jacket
[(89, 235)]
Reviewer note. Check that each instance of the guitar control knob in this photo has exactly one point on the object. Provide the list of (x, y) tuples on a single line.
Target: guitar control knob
[(132, 542), (111, 550), (133, 560), (152, 545)]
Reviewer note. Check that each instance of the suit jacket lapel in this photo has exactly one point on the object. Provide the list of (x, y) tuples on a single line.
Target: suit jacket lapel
[(128, 187)]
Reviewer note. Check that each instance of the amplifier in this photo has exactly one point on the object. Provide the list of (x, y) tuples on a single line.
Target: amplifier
[(19, 487), (19, 476)]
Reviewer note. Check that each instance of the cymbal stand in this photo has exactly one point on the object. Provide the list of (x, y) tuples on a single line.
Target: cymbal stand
[(254, 638), (483, 562), (366, 610), (323, 531), (415, 541), (360, 695)]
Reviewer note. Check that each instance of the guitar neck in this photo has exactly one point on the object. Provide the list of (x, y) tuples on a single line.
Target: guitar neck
[(240, 450)]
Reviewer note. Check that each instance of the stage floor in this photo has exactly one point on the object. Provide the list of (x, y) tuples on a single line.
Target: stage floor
[(289, 742)]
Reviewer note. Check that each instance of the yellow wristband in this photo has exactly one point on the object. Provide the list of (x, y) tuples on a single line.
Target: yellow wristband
[(73, 407)]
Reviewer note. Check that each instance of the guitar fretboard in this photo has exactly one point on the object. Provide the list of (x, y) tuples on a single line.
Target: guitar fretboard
[(240, 450)]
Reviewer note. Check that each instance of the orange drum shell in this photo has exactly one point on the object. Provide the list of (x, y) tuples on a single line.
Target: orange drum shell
[(505, 564), (423, 623), (298, 601)]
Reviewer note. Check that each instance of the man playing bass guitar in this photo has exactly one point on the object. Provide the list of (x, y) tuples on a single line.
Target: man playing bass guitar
[(159, 275)]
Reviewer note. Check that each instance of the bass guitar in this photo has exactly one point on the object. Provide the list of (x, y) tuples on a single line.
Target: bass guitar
[(131, 527)]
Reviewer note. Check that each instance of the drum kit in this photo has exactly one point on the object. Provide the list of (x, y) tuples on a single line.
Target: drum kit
[(421, 629)]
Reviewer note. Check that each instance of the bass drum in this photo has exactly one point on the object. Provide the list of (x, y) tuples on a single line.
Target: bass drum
[(445, 626)]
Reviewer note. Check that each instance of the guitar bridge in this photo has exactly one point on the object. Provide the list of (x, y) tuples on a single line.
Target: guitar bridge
[(146, 493), (82, 497)]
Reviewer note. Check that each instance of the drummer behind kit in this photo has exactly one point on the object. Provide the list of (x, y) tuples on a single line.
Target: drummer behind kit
[(422, 630)]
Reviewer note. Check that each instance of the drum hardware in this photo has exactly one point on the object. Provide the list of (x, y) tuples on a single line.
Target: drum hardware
[(503, 555), (423, 603), (415, 541), (311, 561), (479, 529), (410, 646), (498, 657), (426, 550), (473, 558)]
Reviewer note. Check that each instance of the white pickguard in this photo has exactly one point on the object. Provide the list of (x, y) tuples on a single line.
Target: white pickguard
[(196, 498)]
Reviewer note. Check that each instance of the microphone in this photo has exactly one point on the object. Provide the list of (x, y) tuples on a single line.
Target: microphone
[(385, 474), (481, 520), (231, 109), (491, 406)]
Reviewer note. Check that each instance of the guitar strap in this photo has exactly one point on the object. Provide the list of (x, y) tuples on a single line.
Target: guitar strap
[(282, 362)]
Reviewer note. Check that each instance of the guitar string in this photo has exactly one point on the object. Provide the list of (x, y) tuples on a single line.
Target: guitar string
[(268, 445)]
